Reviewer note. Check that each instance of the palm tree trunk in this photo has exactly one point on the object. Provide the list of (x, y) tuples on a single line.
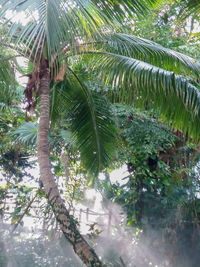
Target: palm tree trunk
[(66, 222)]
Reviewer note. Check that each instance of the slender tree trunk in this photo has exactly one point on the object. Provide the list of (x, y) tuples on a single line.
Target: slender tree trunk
[(65, 220)]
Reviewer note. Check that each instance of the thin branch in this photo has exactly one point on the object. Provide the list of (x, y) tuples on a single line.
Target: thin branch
[(25, 211)]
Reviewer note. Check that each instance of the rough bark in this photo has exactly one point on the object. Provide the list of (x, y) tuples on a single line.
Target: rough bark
[(65, 220)]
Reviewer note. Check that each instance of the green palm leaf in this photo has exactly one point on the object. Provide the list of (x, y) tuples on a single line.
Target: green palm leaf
[(151, 52), (27, 133), (174, 96), (58, 23), (91, 123)]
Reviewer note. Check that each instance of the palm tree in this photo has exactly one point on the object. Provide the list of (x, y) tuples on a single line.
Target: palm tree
[(56, 31)]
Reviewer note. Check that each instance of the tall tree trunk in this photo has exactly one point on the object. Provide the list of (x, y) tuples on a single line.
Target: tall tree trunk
[(67, 225)]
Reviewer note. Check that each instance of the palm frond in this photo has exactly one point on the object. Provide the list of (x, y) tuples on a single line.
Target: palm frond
[(119, 9), (27, 133), (177, 99), (151, 52), (91, 123), (58, 23)]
